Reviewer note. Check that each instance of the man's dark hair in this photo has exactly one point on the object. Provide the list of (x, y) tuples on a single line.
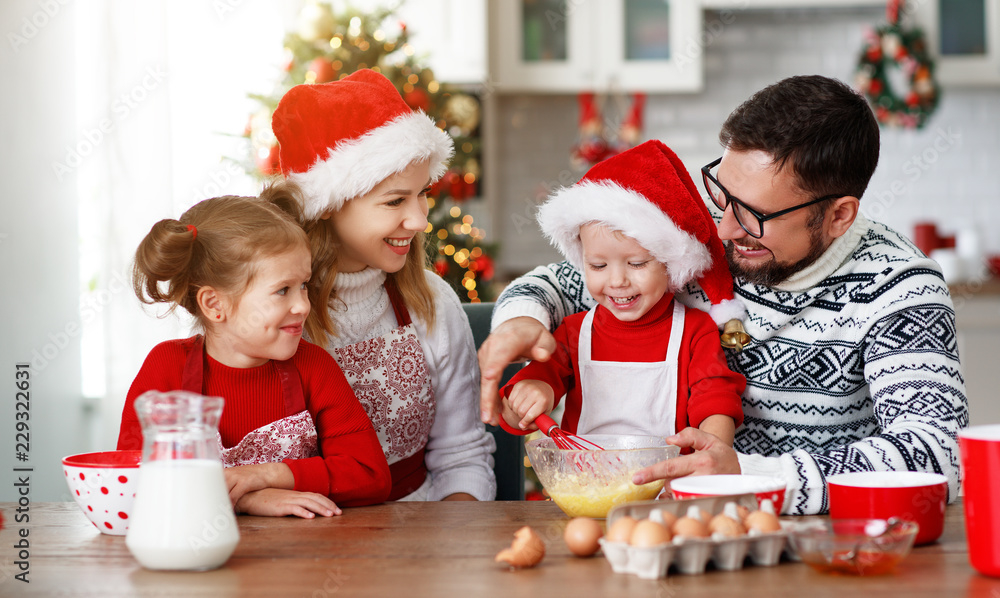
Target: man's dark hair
[(818, 126)]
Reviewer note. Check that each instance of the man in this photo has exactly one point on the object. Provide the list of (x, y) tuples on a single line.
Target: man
[(853, 360)]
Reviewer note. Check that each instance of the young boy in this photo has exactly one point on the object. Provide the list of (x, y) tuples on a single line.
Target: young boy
[(639, 362)]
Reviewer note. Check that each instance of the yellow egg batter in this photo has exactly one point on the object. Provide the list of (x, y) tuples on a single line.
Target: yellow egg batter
[(578, 501)]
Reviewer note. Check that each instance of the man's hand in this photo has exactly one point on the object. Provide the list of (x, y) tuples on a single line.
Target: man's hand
[(711, 456), (516, 339)]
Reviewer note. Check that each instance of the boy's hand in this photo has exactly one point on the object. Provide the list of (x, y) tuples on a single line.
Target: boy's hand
[(529, 399)]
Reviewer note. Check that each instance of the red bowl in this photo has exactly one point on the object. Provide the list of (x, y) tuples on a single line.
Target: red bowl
[(994, 263), (763, 487), (914, 496)]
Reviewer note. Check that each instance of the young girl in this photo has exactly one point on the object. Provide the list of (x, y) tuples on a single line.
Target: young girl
[(639, 362), (295, 440), (364, 160)]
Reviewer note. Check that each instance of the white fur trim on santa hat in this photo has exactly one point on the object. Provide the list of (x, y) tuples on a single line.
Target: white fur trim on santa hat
[(727, 309), (355, 166), (621, 209)]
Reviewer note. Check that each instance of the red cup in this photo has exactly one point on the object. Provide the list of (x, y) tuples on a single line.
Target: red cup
[(925, 237), (910, 495), (980, 448), (701, 486)]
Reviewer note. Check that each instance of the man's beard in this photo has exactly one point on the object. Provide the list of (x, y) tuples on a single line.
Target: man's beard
[(773, 273)]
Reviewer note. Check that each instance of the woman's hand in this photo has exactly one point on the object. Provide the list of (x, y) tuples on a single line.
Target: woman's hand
[(276, 502), (248, 478), (459, 496)]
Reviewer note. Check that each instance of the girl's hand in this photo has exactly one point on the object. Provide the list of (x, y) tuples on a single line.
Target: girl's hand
[(529, 399), (248, 478), (276, 502)]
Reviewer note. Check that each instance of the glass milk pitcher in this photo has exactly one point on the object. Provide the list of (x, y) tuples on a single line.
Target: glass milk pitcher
[(182, 517)]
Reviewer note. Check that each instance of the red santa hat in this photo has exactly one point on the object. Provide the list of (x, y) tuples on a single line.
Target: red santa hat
[(339, 140), (646, 193)]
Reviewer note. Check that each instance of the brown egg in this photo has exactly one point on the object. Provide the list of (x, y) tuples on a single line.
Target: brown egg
[(620, 530), (742, 511), (762, 521), (581, 536), (527, 550), (726, 527), (666, 518), (689, 527), (648, 533)]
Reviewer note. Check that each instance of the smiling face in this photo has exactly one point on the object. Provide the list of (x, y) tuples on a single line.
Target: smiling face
[(375, 230), (790, 242), (266, 321), (620, 274)]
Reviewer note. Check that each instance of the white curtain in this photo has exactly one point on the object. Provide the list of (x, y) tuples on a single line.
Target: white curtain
[(162, 99)]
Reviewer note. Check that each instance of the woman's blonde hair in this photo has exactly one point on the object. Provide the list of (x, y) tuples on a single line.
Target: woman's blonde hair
[(216, 243), (411, 280)]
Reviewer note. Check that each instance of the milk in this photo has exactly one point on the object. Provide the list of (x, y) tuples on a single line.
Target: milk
[(182, 517)]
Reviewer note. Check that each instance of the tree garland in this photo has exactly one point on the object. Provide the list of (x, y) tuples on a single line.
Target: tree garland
[(890, 46)]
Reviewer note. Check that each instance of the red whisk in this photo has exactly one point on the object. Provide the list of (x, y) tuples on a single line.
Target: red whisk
[(562, 438)]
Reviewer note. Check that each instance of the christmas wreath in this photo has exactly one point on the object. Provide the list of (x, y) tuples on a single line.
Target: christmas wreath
[(891, 46)]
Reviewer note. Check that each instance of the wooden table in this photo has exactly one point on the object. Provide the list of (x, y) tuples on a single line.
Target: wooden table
[(430, 549)]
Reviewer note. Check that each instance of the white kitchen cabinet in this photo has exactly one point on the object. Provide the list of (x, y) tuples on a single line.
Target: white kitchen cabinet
[(568, 46), (978, 319), (451, 34), (964, 38)]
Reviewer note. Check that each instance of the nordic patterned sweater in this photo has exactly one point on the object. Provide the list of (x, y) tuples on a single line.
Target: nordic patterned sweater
[(853, 364)]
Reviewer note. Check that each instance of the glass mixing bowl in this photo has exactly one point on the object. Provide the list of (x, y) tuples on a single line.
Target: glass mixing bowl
[(590, 483)]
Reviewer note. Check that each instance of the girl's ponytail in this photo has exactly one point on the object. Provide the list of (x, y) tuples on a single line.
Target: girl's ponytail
[(164, 256)]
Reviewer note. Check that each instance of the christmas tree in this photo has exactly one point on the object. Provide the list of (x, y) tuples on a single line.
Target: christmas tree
[(328, 46)]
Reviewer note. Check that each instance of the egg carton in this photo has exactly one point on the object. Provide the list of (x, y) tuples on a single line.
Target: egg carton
[(692, 555)]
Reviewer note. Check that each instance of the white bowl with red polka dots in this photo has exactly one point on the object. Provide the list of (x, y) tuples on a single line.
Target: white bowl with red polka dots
[(103, 484), (701, 486)]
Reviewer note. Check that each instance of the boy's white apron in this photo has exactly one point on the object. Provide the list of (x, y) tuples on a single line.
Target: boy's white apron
[(629, 397)]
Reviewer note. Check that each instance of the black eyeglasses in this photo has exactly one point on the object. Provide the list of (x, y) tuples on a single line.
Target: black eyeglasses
[(749, 219)]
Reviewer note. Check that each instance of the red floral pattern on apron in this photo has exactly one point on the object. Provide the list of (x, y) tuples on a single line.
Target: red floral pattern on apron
[(389, 376), (292, 437)]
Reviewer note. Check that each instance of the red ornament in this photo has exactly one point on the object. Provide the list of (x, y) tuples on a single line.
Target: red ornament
[(436, 188), (483, 265), (441, 267), (269, 164), (875, 87), (912, 99), (875, 53), (457, 187), (323, 69), (417, 99)]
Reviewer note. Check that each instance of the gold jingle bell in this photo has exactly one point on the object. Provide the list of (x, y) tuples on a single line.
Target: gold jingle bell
[(734, 336)]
